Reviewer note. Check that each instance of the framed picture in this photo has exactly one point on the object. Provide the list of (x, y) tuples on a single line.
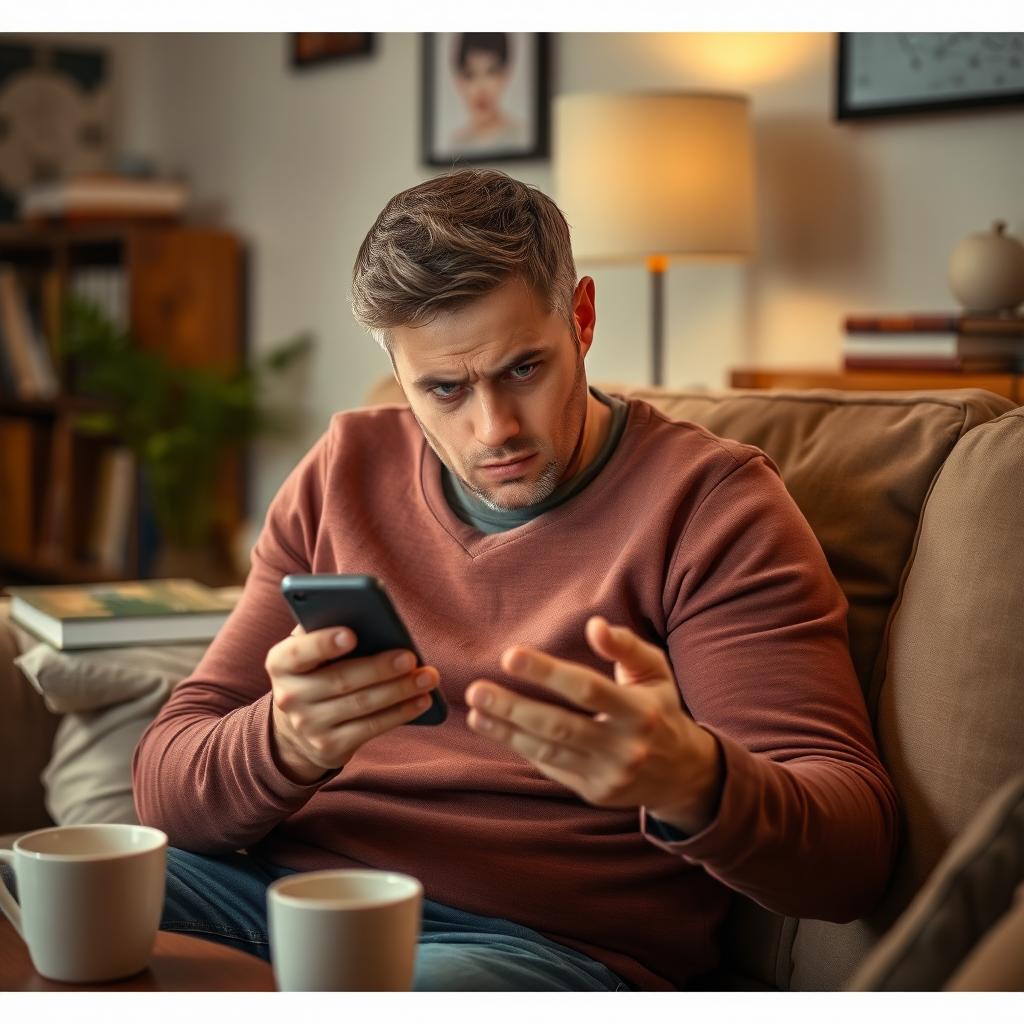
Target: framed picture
[(881, 73), (486, 97), (311, 48)]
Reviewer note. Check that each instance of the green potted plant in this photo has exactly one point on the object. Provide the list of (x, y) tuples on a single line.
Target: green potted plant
[(180, 422)]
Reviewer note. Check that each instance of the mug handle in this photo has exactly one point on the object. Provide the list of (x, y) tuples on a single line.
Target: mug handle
[(7, 904)]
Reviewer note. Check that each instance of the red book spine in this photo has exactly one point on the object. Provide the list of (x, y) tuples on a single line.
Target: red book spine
[(912, 323)]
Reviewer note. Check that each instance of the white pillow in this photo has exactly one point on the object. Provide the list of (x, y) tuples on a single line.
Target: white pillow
[(74, 681), (107, 696)]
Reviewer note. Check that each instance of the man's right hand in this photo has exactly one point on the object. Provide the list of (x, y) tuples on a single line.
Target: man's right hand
[(322, 714)]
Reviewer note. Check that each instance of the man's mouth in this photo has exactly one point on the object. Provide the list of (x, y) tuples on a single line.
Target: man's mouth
[(510, 467)]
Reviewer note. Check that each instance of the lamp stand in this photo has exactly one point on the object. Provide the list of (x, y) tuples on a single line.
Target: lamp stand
[(656, 265)]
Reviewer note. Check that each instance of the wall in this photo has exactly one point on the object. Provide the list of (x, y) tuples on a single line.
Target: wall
[(853, 216)]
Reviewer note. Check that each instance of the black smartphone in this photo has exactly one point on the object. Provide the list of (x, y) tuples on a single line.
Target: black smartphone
[(362, 604)]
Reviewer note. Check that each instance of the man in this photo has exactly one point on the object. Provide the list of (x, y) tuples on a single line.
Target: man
[(644, 653)]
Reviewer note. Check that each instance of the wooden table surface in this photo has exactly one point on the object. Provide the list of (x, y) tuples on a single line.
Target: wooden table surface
[(181, 963)]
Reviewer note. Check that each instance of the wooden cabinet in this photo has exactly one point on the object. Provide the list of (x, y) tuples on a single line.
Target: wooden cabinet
[(182, 292), (1009, 385)]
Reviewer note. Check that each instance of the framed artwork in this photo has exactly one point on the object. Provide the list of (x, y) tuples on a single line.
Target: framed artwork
[(486, 97), (313, 48), (881, 73)]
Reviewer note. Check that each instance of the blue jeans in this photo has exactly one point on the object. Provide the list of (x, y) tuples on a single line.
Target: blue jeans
[(224, 899)]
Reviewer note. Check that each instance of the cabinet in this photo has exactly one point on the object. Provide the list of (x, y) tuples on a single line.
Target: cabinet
[(180, 290)]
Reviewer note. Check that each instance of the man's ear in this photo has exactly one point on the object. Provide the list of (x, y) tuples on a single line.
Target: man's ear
[(584, 313)]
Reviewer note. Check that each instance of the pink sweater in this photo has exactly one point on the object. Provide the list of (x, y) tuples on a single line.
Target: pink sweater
[(689, 539)]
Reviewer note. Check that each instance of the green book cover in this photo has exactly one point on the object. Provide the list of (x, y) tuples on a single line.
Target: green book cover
[(134, 599)]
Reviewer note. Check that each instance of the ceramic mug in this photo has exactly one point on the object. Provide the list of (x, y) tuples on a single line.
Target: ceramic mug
[(344, 930), (90, 896)]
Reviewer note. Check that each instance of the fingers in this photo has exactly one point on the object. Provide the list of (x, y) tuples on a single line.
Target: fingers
[(542, 751), (302, 652), (336, 744), (636, 659), (577, 683), (328, 714), (494, 705), (302, 666)]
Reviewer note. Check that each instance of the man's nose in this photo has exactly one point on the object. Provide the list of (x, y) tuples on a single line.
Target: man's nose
[(496, 421)]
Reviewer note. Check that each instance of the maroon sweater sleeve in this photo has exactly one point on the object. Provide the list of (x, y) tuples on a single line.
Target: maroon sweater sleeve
[(205, 770), (808, 819)]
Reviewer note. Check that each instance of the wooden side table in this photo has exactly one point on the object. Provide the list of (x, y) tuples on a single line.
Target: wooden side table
[(1009, 385), (181, 963)]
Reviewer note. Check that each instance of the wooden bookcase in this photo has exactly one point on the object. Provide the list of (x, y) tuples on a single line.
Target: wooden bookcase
[(184, 294)]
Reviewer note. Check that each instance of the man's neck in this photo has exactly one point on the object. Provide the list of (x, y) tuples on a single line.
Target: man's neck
[(596, 425)]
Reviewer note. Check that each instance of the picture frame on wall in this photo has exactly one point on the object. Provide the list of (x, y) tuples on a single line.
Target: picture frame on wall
[(486, 97), (310, 49), (885, 73)]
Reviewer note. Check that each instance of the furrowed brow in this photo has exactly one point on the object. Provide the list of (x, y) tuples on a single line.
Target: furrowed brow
[(430, 381)]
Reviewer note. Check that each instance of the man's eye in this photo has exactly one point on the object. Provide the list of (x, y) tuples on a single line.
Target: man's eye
[(438, 390), (524, 372)]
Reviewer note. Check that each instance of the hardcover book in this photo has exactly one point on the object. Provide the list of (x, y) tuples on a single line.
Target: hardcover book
[(74, 617)]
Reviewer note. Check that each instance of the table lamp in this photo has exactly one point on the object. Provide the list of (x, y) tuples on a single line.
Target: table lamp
[(648, 176)]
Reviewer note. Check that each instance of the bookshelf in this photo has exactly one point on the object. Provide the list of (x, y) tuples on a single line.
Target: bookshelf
[(179, 290)]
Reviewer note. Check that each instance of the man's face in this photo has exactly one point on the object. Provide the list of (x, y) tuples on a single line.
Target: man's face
[(480, 81), (499, 391)]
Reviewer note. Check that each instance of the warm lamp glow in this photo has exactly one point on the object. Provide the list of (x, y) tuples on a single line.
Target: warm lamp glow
[(655, 174), (647, 176), (736, 60)]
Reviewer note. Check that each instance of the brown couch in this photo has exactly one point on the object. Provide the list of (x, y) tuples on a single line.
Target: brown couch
[(917, 499)]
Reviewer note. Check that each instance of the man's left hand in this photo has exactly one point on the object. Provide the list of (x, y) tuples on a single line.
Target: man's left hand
[(639, 747)]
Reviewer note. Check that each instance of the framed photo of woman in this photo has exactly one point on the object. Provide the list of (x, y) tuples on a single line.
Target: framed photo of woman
[(486, 97)]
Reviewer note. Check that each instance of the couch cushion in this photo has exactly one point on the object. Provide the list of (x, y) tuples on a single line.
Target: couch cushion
[(949, 681), (973, 887), (109, 696)]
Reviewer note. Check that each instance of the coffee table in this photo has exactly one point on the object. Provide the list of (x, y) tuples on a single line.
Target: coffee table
[(181, 963)]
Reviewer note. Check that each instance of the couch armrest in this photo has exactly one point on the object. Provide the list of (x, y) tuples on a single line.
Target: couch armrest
[(26, 738)]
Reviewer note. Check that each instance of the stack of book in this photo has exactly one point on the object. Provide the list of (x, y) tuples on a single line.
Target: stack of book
[(100, 197), (112, 614), (962, 342)]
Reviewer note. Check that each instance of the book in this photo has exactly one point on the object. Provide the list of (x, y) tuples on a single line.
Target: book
[(31, 360), (115, 498), (101, 196), (955, 323), (993, 351), (76, 617)]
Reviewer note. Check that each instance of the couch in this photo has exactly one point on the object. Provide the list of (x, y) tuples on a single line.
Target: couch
[(917, 499)]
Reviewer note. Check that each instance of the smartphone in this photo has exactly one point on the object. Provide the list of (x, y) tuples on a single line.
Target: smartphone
[(362, 604)]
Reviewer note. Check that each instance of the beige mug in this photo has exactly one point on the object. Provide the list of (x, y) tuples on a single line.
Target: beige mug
[(90, 897), (344, 930)]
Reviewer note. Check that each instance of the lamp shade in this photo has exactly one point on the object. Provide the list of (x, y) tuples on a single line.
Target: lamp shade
[(646, 174)]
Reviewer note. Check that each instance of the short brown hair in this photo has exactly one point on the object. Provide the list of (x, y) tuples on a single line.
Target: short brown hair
[(440, 244)]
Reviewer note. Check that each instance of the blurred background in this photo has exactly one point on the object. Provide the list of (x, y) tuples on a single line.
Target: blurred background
[(260, 160)]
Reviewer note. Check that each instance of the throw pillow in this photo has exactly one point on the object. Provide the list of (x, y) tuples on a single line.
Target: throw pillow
[(108, 697)]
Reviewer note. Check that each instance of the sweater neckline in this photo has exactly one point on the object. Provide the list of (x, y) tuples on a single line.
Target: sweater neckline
[(474, 542)]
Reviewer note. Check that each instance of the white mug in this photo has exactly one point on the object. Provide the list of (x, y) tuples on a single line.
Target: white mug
[(344, 931), (90, 896)]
